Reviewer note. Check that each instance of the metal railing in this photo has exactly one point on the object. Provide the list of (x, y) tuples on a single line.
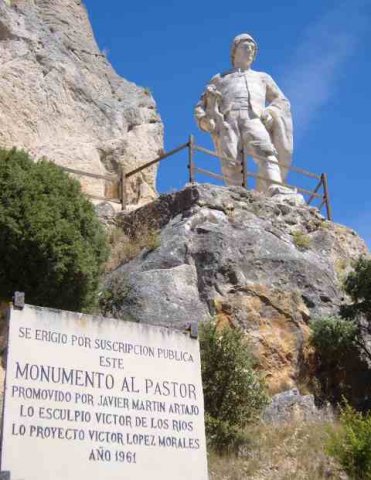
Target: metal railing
[(320, 191)]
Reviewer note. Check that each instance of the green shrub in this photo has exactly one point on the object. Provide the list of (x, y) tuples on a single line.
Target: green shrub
[(351, 445), (113, 295), (342, 344), (224, 437), (52, 245), (333, 336), (358, 286), (233, 392)]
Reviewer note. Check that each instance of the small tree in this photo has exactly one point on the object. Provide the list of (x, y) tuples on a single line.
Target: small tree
[(351, 445), (333, 337), (52, 245), (358, 286), (233, 392), (341, 342)]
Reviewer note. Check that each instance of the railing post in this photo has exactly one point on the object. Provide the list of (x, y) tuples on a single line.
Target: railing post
[(326, 195), (313, 194), (243, 169), (123, 189), (191, 165)]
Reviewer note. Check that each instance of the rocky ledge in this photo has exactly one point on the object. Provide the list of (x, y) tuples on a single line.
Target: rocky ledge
[(264, 264)]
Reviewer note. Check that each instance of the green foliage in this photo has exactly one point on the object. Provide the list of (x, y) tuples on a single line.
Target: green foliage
[(333, 336), (342, 344), (351, 445), (113, 296), (223, 436), (52, 245), (358, 286), (233, 392), (124, 248)]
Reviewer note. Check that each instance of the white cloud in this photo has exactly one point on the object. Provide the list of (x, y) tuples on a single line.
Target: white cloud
[(321, 55)]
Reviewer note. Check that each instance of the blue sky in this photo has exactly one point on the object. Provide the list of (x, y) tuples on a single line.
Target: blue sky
[(318, 52)]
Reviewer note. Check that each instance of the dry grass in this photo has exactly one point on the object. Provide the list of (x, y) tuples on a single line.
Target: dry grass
[(286, 452), (301, 240), (123, 248)]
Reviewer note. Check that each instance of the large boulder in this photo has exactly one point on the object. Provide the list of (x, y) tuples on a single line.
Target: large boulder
[(244, 259), (289, 406), (61, 98)]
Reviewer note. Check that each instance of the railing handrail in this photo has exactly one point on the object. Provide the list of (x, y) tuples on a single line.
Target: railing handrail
[(192, 148), (287, 167), (158, 159), (110, 178)]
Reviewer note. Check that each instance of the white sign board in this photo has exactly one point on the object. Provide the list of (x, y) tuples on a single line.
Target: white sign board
[(102, 399)]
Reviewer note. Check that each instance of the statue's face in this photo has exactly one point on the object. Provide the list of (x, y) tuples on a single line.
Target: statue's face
[(244, 54)]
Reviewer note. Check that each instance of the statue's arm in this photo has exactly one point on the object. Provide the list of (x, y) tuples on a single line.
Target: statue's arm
[(202, 115)]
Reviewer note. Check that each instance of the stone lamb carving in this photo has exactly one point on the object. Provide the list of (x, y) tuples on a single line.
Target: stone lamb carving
[(247, 114)]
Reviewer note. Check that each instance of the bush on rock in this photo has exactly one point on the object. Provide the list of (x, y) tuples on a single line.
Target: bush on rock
[(358, 286), (52, 245), (233, 392), (333, 337)]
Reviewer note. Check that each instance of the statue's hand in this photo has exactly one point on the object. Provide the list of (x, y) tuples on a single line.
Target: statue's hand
[(207, 124), (267, 120), (212, 91)]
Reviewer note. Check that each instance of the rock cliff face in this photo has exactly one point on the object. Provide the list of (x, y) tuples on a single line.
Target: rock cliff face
[(60, 97), (244, 259)]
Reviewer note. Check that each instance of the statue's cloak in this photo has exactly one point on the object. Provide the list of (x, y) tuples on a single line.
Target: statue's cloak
[(282, 135)]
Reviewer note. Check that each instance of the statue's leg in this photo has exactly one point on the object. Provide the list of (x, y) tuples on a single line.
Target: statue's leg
[(268, 168), (259, 146), (228, 146), (261, 182)]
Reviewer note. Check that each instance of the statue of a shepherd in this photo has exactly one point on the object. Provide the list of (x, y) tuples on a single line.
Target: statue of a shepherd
[(248, 115)]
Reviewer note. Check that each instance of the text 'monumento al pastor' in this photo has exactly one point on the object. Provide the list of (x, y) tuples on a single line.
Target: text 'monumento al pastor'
[(88, 397)]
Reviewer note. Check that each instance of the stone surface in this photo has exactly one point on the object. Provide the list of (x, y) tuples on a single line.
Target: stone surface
[(287, 195), (61, 98), (244, 259), (168, 294), (105, 212), (290, 406), (247, 115), (276, 322)]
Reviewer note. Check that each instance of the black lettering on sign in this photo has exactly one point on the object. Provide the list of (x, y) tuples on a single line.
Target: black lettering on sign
[(64, 376), (100, 455), (111, 362), (18, 430), (129, 385), (51, 336), (24, 332), (167, 388), (26, 411)]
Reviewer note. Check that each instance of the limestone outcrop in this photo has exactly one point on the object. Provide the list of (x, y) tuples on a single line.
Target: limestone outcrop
[(245, 259), (61, 98), (290, 406)]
